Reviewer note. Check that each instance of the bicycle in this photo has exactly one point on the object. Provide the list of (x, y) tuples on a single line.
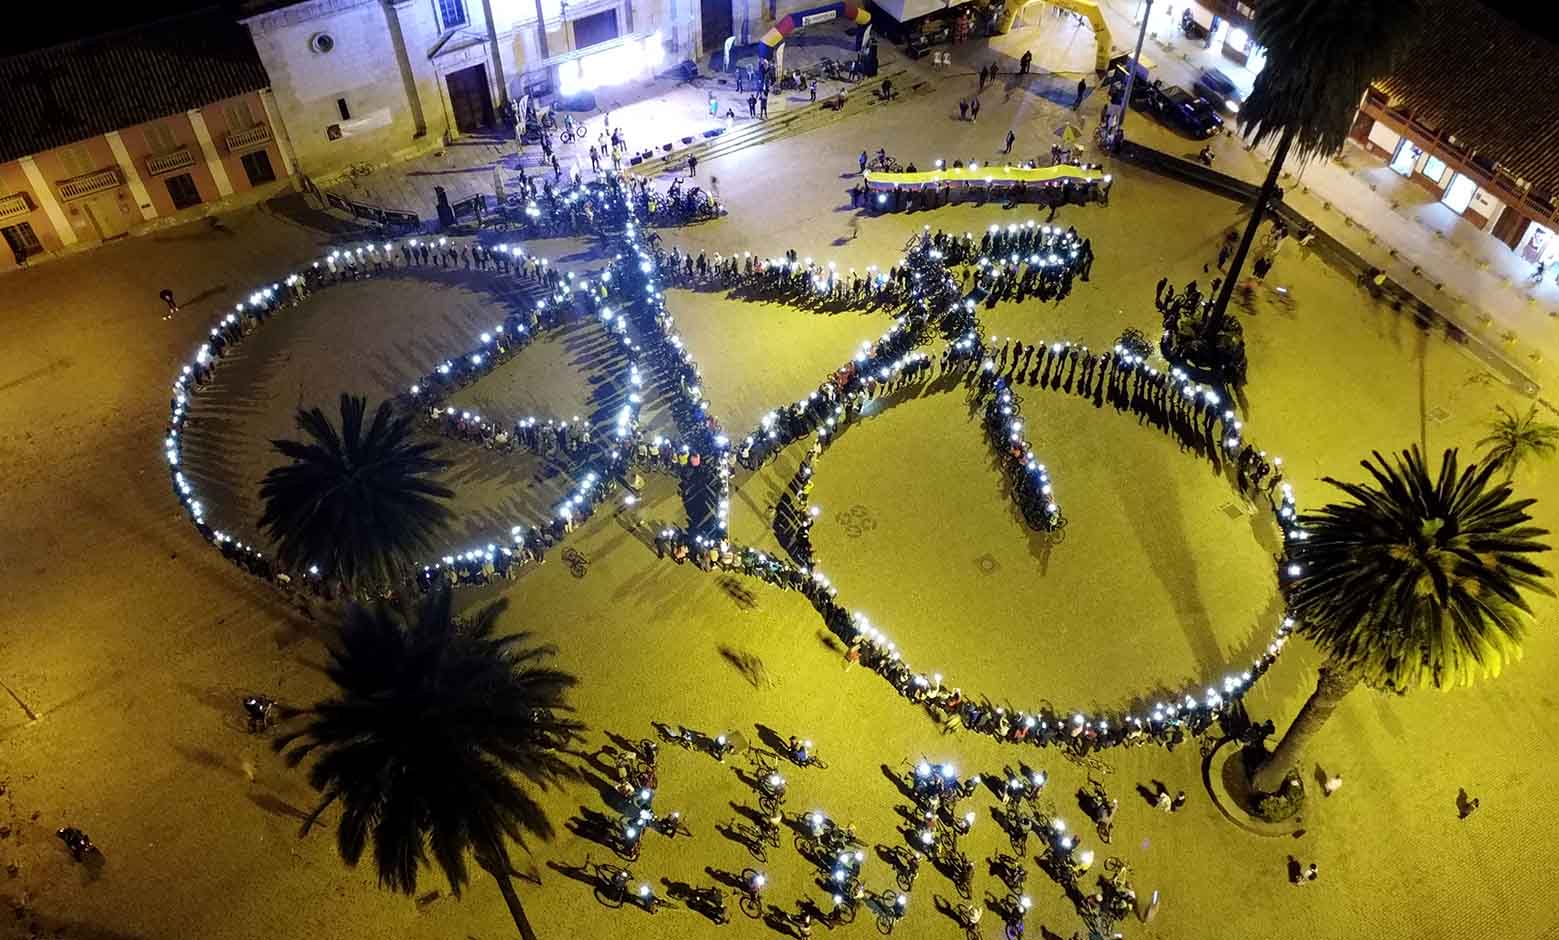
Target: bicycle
[(359, 170), (906, 865), (890, 907), (844, 910), (651, 902), (812, 760), (754, 839), (969, 919), (611, 888), (671, 826), (751, 901)]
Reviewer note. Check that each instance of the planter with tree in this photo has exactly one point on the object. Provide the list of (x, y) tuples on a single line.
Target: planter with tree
[(1418, 581)]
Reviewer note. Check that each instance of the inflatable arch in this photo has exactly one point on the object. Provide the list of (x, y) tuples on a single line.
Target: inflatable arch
[(1088, 9), (790, 22)]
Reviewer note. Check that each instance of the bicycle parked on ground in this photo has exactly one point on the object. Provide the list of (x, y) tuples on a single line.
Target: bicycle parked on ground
[(890, 907)]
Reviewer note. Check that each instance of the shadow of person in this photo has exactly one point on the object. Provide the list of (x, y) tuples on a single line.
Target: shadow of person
[(1296, 871)]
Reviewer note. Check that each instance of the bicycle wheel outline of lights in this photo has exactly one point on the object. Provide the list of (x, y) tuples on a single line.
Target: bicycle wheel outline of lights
[(885, 362), (614, 220)]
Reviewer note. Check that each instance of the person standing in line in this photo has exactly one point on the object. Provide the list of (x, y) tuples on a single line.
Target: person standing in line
[(167, 297)]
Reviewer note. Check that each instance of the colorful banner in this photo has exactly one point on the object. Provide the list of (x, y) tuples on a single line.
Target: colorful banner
[(878, 181)]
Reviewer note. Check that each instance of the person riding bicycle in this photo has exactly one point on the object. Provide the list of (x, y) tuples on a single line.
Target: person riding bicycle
[(772, 786), (76, 841), (753, 886), (799, 750), (896, 909), (620, 879), (259, 709)]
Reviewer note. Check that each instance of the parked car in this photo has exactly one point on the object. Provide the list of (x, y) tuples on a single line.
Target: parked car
[(1116, 74), (1180, 109), (1218, 90)]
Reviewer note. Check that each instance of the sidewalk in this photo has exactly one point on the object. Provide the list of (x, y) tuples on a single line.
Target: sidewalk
[(1469, 276)]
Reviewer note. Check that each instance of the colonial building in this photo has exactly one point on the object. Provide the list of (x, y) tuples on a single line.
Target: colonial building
[(372, 80), (123, 132), (1472, 115)]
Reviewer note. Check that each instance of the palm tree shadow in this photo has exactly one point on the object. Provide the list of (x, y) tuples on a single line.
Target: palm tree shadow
[(277, 806)]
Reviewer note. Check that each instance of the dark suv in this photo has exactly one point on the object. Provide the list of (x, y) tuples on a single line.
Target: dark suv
[(1218, 90), (1181, 110)]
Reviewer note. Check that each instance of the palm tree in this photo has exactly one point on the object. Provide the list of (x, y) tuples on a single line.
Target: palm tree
[(1321, 56), (436, 729), (359, 502), (1417, 582), (1513, 439)]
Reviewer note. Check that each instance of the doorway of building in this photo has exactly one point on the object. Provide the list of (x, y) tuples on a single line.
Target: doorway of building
[(1405, 158), (470, 99), (107, 218), (717, 22)]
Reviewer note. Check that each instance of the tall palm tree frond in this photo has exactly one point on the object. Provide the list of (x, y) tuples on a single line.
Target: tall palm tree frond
[(1419, 581), (359, 502), (1321, 56)]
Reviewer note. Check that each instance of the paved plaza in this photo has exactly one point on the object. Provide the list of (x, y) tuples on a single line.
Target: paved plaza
[(126, 644)]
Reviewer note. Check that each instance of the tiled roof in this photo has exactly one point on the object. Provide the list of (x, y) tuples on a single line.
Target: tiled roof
[(1492, 84), (60, 95)]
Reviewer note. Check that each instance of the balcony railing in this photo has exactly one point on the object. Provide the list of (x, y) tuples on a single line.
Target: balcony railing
[(88, 183), (1500, 181), (249, 138), (14, 206), (164, 163)]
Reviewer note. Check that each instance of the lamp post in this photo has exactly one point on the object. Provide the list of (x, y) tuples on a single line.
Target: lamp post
[(1131, 76)]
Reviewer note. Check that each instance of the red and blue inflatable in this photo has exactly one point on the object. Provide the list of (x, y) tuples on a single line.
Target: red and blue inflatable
[(791, 22)]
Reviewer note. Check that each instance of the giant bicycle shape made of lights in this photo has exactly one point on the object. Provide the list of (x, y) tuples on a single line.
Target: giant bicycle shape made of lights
[(627, 300)]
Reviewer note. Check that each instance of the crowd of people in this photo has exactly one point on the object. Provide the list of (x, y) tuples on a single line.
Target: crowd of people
[(885, 194), (562, 296), (1197, 416), (789, 279), (935, 301)]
